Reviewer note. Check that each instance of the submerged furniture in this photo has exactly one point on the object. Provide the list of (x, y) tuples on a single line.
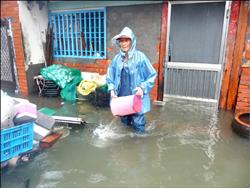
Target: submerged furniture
[(49, 140), (61, 119), (71, 120), (47, 88), (241, 124), (47, 111), (16, 140), (43, 126), (24, 112)]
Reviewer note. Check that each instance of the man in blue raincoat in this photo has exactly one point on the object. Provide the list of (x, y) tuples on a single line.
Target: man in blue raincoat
[(129, 73)]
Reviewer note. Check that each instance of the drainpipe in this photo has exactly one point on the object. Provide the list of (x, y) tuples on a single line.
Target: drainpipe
[(162, 50)]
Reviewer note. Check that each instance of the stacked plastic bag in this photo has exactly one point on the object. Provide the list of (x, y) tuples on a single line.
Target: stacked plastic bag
[(94, 88), (65, 77)]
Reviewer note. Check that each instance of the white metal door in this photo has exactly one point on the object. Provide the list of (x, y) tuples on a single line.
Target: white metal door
[(195, 53)]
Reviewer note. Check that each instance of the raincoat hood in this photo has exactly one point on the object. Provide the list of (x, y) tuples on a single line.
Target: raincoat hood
[(126, 32)]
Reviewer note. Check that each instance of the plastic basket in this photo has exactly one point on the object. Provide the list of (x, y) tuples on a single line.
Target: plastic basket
[(16, 140)]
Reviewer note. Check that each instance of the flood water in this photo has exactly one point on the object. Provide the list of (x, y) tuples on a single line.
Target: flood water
[(187, 144)]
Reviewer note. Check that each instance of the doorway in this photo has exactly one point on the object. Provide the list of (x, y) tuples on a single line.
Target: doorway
[(195, 53)]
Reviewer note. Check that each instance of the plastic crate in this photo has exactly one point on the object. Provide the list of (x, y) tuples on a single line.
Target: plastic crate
[(16, 140)]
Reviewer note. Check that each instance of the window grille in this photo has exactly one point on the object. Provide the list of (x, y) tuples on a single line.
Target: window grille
[(79, 34)]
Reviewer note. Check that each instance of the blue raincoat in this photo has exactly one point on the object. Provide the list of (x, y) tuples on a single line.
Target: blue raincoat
[(141, 72)]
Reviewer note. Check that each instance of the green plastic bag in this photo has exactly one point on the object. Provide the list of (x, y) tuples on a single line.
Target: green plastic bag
[(68, 93), (65, 77), (60, 74)]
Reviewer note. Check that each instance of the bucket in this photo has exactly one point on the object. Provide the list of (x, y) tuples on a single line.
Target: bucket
[(126, 105)]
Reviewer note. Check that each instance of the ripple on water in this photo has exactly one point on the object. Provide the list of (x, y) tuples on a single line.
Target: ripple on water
[(96, 178), (53, 175), (105, 134), (50, 179)]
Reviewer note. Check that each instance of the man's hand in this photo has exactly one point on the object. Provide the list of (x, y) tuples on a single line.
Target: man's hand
[(139, 91), (112, 94)]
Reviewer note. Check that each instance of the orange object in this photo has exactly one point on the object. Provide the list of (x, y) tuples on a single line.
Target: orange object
[(49, 140)]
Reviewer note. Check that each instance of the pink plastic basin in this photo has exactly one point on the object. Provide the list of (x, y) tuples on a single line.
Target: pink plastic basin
[(24, 107), (126, 105)]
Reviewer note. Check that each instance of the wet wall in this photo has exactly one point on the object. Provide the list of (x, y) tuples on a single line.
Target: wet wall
[(144, 20), (34, 22)]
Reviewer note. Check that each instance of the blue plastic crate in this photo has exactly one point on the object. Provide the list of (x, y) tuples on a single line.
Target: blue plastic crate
[(16, 140)]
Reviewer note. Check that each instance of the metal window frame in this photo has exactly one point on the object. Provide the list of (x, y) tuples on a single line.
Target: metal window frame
[(72, 35)]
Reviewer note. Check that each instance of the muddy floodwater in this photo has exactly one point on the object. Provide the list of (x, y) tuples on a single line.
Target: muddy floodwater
[(186, 145)]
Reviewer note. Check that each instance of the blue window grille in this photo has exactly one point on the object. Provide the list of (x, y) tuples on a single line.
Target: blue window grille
[(79, 34)]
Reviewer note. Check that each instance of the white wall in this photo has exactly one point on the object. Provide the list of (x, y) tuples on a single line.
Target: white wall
[(34, 23)]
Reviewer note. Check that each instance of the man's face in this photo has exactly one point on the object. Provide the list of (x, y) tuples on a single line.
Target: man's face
[(125, 44)]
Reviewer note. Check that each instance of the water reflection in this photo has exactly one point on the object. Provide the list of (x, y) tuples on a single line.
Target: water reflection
[(197, 128), (186, 144)]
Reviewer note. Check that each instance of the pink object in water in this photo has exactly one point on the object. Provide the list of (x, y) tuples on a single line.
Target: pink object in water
[(26, 107), (126, 105)]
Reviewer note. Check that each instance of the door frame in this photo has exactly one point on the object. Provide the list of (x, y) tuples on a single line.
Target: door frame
[(216, 67)]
